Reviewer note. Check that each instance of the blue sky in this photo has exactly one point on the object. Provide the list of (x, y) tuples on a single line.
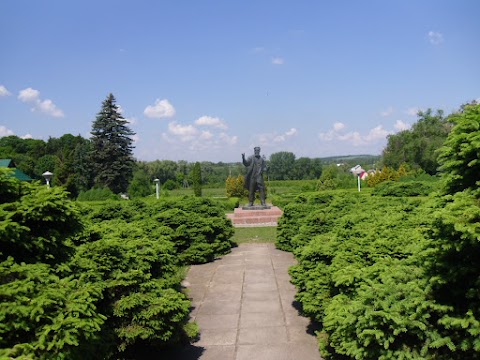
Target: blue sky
[(209, 80)]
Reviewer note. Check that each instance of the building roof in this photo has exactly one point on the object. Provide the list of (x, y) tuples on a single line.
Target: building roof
[(6, 163), (18, 174)]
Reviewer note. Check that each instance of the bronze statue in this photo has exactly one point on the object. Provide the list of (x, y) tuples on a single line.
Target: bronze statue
[(254, 179)]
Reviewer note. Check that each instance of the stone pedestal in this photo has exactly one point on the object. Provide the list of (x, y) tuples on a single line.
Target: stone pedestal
[(255, 216), (256, 207)]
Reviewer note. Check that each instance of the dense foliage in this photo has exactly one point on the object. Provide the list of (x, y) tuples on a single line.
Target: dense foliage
[(284, 165), (235, 186), (97, 194), (405, 188), (111, 153), (455, 272), (98, 280), (460, 155), (141, 184), (66, 157), (336, 177), (394, 276), (418, 146), (384, 174)]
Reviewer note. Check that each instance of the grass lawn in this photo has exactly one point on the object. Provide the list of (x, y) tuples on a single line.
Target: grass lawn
[(265, 234)]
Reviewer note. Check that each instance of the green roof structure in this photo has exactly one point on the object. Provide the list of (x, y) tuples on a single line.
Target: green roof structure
[(5, 163), (18, 174)]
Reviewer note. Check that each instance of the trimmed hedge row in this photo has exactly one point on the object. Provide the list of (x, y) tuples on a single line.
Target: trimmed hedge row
[(373, 273), (99, 281)]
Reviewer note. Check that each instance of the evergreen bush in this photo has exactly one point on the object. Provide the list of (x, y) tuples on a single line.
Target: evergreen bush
[(99, 280), (395, 277), (97, 194), (402, 189)]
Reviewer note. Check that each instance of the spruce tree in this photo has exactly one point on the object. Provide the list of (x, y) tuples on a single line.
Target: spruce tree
[(111, 156)]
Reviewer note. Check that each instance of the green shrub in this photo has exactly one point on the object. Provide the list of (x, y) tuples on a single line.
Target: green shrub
[(404, 189), (228, 204), (359, 273), (46, 311), (235, 187), (44, 316), (170, 185), (395, 277), (10, 189), (100, 280), (97, 194), (36, 227)]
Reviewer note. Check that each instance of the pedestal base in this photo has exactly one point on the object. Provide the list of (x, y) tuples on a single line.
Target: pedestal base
[(256, 207), (256, 215)]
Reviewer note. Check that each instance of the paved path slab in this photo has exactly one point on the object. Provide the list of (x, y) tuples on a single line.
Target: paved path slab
[(244, 305)]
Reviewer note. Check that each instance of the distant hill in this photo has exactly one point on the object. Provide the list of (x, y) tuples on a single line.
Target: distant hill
[(351, 159), (339, 159)]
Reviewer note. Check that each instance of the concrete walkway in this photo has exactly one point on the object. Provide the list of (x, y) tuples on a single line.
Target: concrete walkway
[(244, 305)]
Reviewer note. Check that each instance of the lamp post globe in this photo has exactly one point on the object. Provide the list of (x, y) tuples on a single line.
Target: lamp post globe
[(48, 176), (157, 187)]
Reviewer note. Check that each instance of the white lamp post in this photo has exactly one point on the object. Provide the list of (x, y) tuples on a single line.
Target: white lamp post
[(48, 176), (157, 187), (357, 170)]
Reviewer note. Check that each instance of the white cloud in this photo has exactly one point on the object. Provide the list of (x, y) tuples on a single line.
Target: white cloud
[(278, 61), (413, 111), (400, 125), (32, 96), (48, 107), (183, 132), (267, 139), (29, 95), (132, 120), (258, 49), (206, 135), (435, 37), (285, 136), (352, 137), (377, 133), (227, 139), (327, 136), (387, 112), (5, 132), (27, 136), (4, 91), (211, 121), (190, 137), (355, 138), (161, 109), (291, 132)]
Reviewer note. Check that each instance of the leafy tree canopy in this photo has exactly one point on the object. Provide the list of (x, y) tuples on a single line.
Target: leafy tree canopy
[(418, 146), (281, 166)]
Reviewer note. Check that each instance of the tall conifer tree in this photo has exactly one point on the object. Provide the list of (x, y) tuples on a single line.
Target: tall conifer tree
[(111, 157), (197, 179)]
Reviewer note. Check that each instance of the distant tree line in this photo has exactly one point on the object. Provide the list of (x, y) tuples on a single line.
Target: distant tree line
[(106, 159)]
